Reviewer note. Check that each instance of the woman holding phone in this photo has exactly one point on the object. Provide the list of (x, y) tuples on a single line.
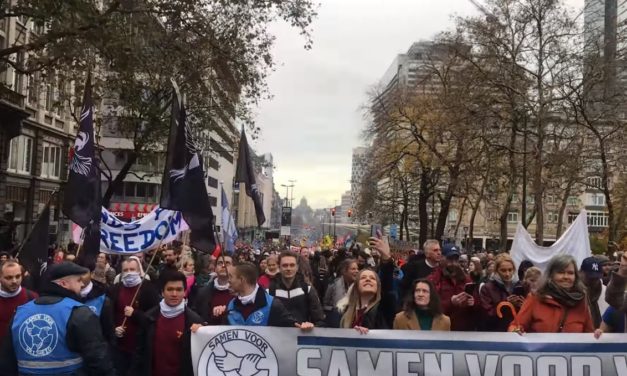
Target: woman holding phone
[(502, 287), (370, 302)]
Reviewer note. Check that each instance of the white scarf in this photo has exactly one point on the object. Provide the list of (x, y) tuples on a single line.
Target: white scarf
[(6, 294), (249, 299), (171, 312), (87, 289), (220, 287), (131, 279)]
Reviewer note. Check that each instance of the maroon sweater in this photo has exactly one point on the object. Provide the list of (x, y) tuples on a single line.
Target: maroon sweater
[(166, 353), (219, 298), (126, 343), (8, 307)]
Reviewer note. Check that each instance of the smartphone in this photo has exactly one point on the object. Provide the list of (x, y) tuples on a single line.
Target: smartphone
[(519, 290), (470, 288), (376, 231)]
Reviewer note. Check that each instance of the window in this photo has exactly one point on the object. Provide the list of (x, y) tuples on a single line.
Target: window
[(573, 200), (552, 217), (597, 219), (596, 199), (21, 154), (18, 78), (129, 189), (550, 199), (51, 161), (49, 97), (595, 182), (512, 217), (515, 197), (572, 217), (212, 182), (213, 201), (33, 89), (452, 215)]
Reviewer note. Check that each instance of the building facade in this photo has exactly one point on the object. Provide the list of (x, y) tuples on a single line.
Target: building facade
[(36, 132)]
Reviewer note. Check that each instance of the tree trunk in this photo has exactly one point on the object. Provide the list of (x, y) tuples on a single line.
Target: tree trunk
[(563, 204), (119, 178), (423, 200)]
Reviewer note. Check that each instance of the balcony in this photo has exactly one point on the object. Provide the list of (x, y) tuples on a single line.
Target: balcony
[(12, 97)]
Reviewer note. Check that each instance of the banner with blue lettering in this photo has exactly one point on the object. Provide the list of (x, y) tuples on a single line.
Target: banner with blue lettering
[(160, 226), (270, 351)]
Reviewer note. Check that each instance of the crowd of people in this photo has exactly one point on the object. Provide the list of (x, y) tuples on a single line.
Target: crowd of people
[(131, 316)]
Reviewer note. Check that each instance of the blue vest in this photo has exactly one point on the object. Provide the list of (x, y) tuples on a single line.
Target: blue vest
[(96, 304), (259, 317), (39, 332)]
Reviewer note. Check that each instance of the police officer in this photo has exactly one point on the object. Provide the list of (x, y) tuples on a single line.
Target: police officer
[(55, 334)]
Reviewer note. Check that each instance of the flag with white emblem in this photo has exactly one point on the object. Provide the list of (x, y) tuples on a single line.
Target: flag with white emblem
[(81, 198), (183, 184)]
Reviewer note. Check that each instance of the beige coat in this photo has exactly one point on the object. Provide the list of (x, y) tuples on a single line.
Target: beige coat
[(409, 321)]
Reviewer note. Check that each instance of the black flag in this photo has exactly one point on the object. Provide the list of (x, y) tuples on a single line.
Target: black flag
[(183, 184), (34, 251), (246, 174), (81, 199)]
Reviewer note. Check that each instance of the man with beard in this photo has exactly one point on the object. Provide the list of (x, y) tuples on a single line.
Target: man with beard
[(216, 294), (591, 273), (450, 284), (12, 294)]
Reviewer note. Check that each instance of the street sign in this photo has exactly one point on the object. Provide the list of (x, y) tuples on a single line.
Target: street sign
[(394, 231)]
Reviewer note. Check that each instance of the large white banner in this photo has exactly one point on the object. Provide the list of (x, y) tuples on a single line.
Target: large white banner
[(574, 241), (269, 351), (160, 226)]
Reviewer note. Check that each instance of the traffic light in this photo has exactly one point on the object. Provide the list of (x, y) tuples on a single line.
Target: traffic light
[(333, 212), (350, 212)]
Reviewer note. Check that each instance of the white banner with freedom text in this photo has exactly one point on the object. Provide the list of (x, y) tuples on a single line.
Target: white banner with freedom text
[(270, 351), (160, 226)]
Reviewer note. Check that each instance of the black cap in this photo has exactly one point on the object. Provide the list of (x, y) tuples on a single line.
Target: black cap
[(590, 266), (64, 269)]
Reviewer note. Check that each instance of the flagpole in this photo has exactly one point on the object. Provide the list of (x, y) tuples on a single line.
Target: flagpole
[(30, 232)]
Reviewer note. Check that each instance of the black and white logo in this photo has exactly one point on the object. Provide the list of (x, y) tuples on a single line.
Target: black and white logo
[(238, 352)]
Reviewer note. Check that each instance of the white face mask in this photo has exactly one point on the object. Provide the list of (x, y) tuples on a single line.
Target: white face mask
[(87, 289), (131, 279)]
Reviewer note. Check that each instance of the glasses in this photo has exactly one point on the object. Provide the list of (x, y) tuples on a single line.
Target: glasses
[(222, 263)]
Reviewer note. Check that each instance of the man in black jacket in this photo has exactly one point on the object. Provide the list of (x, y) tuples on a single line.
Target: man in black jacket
[(94, 295), (421, 268), (56, 334), (299, 297), (164, 339)]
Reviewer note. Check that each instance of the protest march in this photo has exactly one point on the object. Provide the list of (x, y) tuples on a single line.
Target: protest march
[(459, 169)]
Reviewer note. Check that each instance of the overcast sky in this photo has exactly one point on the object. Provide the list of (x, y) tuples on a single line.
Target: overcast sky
[(315, 118)]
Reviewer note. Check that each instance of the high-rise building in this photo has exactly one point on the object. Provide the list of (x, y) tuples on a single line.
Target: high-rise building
[(359, 165), (345, 205)]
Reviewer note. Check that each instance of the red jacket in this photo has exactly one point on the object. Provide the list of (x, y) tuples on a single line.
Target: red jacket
[(544, 316), (462, 318)]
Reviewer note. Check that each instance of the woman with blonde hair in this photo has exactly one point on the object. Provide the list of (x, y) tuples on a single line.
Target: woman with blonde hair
[(188, 268), (502, 287), (369, 302)]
